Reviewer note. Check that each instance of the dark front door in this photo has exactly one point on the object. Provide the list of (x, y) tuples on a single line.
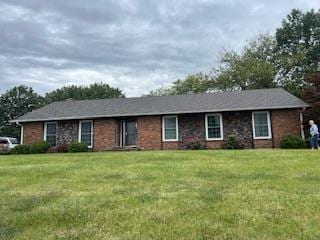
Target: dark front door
[(130, 131)]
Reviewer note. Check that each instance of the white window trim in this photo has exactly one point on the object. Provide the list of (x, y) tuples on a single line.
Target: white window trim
[(45, 130), (221, 126), (163, 129), (269, 125), (79, 132)]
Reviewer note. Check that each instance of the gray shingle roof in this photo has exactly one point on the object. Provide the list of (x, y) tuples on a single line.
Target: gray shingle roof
[(189, 103)]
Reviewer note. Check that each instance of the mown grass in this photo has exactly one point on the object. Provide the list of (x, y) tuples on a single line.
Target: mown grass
[(248, 194)]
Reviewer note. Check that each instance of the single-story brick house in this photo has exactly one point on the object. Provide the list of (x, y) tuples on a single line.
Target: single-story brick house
[(258, 117)]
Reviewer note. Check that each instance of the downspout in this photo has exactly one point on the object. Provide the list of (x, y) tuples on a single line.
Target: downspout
[(272, 134), (301, 125), (21, 133)]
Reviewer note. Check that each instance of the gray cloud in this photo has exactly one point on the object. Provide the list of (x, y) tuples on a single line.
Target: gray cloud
[(136, 45)]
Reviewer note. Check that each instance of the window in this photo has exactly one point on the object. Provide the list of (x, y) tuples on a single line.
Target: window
[(261, 125), (50, 133), (14, 141), (86, 132), (170, 128), (214, 127)]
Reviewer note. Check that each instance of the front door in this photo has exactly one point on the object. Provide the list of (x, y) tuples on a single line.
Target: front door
[(130, 133)]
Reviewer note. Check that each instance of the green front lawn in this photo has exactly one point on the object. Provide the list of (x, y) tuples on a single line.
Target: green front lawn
[(248, 194)]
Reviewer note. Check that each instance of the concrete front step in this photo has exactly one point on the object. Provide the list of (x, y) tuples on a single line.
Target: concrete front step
[(125, 149)]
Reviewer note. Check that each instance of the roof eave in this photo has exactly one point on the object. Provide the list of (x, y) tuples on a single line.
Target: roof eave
[(156, 113)]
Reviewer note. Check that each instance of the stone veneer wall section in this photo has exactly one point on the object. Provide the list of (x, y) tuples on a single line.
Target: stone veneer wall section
[(32, 132), (68, 131), (105, 134), (149, 132), (240, 125), (191, 129)]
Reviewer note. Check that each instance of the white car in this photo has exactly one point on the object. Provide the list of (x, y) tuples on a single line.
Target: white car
[(7, 142)]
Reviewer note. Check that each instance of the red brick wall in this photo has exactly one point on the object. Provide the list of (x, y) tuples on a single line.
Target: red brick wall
[(32, 132), (214, 144), (149, 132), (262, 143), (106, 134), (171, 145), (106, 131), (284, 122)]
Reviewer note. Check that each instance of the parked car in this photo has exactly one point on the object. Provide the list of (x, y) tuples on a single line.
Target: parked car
[(8, 143)]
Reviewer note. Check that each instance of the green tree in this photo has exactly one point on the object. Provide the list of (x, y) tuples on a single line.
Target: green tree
[(311, 95), (197, 83), (298, 48), (93, 91), (14, 103), (162, 91), (253, 68)]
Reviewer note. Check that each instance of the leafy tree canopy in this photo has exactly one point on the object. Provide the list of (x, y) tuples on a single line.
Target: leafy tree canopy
[(311, 95), (93, 91), (253, 68), (22, 99), (197, 83), (280, 60), (298, 48), (14, 103)]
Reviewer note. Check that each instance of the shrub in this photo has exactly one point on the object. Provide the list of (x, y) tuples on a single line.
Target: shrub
[(39, 147), (21, 149), (63, 148), (4, 151), (77, 147), (196, 145), (292, 142), (233, 142)]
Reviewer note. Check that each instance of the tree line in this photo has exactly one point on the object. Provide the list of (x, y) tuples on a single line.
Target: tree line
[(283, 59), (20, 100), (289, 58)]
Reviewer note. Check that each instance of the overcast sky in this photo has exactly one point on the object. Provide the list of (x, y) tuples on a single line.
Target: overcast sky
[(136, 45)]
